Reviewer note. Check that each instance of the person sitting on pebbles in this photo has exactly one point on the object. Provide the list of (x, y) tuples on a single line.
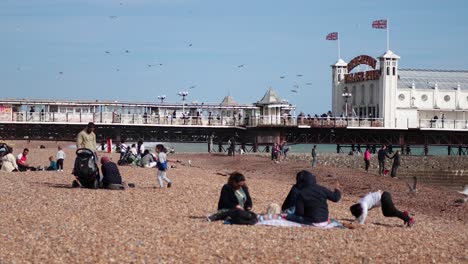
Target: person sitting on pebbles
[(22, 161), (311, 206), (289, 204), (379, 199), (234, 195)]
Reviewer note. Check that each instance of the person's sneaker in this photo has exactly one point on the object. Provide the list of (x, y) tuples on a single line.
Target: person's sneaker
[(75, 184), (169, 185), (411, 222), (208, 218)]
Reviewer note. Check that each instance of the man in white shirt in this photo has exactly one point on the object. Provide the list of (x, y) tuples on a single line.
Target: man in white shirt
[(379, 199)]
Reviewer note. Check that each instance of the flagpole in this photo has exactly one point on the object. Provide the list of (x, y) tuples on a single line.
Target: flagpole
[(339, 49), (388, 34)]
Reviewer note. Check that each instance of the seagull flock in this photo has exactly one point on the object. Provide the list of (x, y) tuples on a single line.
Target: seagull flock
[(295, 88)]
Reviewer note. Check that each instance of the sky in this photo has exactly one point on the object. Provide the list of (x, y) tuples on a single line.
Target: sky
[(101, 49)]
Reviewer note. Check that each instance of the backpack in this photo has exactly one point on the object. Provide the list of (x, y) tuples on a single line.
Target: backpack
[(241, 217)]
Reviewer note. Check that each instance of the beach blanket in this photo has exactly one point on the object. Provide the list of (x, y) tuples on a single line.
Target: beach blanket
[(280, 220)]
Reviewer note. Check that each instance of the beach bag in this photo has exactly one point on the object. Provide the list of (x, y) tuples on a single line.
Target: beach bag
[(241, 217)]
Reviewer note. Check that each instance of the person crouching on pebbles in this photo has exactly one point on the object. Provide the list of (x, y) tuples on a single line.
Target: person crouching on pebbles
[(162, 166), (379, 199)]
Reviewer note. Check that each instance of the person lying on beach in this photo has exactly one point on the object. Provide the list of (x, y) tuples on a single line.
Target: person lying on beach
[(311, 204), (234, 195), (379, 199), (289, 204)]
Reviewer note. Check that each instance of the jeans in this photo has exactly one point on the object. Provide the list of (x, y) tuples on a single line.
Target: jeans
[(381, 167), (162, 176), (314, 162), (367, 164)]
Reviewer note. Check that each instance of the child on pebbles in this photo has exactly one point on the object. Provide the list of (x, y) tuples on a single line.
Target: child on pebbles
[(162, 166)]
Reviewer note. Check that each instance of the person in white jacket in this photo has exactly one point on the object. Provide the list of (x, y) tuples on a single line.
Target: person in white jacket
[(9, 161), (379, 199)]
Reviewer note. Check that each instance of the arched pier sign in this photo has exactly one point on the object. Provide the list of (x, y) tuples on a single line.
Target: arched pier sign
[(362, 76)]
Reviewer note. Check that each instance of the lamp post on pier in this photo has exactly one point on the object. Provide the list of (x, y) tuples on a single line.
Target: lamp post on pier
[(162, 97), (346, 96), (183, 94)]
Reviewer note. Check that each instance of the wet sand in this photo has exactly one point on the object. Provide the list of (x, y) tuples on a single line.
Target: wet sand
[(43, 220)]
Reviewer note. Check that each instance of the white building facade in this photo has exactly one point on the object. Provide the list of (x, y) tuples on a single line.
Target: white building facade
[(369, 88)]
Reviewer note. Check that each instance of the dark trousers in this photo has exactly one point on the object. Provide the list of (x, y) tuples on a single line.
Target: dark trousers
[(367, 164), (25, 168), (388, 208), (394, 170), (60, 164), (381, 167)]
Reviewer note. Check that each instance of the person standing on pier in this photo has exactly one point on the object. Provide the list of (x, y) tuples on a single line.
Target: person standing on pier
[(381, 155), (87, 139), (314, 156)]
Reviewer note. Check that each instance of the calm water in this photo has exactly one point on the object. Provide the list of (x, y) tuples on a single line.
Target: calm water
[(299, 148)]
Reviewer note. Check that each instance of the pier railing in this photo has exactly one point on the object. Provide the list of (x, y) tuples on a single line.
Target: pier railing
[(223, 121)]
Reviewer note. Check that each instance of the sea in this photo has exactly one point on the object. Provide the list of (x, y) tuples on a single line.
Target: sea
[(298, 148)]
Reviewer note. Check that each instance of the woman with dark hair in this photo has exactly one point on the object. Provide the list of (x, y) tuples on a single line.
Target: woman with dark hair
[(396, 163), (234, 195), (289, 205), (379, 199)]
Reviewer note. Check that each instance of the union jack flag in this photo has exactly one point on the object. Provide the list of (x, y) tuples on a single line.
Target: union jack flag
[(381, 24), (332, 36)]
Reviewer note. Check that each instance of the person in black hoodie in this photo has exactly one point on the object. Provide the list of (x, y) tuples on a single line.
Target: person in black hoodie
[(234, 196), (289, 205), (311, 204)]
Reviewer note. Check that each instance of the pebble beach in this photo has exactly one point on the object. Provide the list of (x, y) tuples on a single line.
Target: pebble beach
[(44, 220)]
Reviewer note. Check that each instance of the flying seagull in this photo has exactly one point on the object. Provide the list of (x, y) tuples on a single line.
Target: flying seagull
[(282, 77), (112, 17), (60, 72), (308, 84), (107, 52), (299, 75), (294, 90), (190, 45), (240, 66), (191, 87), (127, 51)]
